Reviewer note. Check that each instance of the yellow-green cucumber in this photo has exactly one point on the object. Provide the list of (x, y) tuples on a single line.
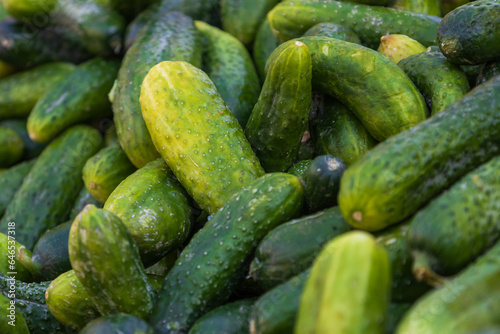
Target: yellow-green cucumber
[(397, 47)]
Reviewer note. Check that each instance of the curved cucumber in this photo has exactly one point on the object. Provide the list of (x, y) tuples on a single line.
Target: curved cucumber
[(11, 147), (264, 45), (333, 30), (11, 180)]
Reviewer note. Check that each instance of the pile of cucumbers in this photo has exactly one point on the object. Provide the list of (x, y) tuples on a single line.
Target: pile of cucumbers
[(250, 166)]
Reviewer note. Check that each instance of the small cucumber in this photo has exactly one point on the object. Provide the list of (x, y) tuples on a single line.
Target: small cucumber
[(397, 47), (264, 45), (333, 30), (13, 321), (429, 7), (11, 180), (9, 265), (11, 147), (120, 323), (31, 149), (196, 134), (84, 198)]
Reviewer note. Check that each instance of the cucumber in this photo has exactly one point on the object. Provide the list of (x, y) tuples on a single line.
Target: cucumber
[(397, 47), (488, 71), (68, 301), (31, 149), (84, 198), (28, 9), (429, 7), (21, 91), (106, 261), (229, 65), (386, 108), (467, 35), (81, 95), (155, 208), (341, 298), (11, 147), (264, 45), (394, 179), (215, 257), (196, 134), (169, 37), (299, 168), (9, 265), (231, 318), (291, 248), (333, 30), (52, 185), (120, 323), (290, 19), (440, 81), (104, 171), (396, 313), (129, 9), (15, 323), (162, 267), (279, 119)]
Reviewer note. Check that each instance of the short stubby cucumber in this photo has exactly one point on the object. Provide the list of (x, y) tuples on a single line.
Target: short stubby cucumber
[(196, 133), (333, 30), (394, 179)]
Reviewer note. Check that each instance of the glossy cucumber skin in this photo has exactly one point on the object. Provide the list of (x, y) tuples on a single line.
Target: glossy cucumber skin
[(279, 118), (196, 133), (468, 34), (15, 323), (83, 198), (31, 149), (264, 45), (153, 45), (9, 262), (11, 147), (290, 19), (124, 287), (417, 165), (52, 185), (429, 7), (397, 47), (155, 208), (440, 81), (118, 323), (299, 168), (21, 91), (333, 30), (216, 256), (81, 95), (460, 224), (228, 64), (289, 249)]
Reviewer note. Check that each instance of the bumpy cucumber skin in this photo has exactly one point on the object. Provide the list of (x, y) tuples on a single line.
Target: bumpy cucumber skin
[(469, 34), (11, 147), (169, 37), (118, 323), (279, 118), (291, 248), (386, 108), (394, 179), (429, 7), (16, 324), (488, 71), (299, 168), (397, 47), (84, 198), (231, 318), (52, 185), (155, 208), (31, 149), (100, 243), (214, 259), (196, 133), (229, 65), (104, 171), (21, 91), (460, 224), (331, 303), (440, 82), (81, 95), (9, 251), (333, 30), (68, 301), (290, 19), (264, 45)]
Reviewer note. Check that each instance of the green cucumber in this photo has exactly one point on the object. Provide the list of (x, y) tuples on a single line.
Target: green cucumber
[(9, 265), (290, 19), (215, 257), (290, 248), (162, 267), (279, 119), (104, 171), (429, 7), (155, 208), (440, 82), (196, 133), (468, 34), (84, 198), (15, 323), (333, 30), (396, 313), (28, 9), (31, 149), (397, 47), (168, 37), (230, 67), (81, 95), (488, 71), (231, 318), (21, 91), (264, 45), (106, 261), (342, 298), (52, 185), (300, 168), (11, 147), (393, 180), (120, 323), (10, 181)]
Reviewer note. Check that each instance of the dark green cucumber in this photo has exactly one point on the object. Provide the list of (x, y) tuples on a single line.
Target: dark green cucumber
[(215, 257), (104, 171), (107, 263), (230, 67), (120, 323), (13, 321), (429, 7), (264, 45), (11, 147), (279, 119), (231, 318), (393, 180), (28, 9), (68, 301), (84, 198), (397, 47), (196, 133), (52, 185), (168, 37), (290, 248), (299, 168), (440, 81), (290, 19), (347, 71), (9, 265), (50, 257), (459, 225), (80, 96), (31, 149), (488, 71), (155, 208), (333, 30), (468, 34), (21, 91)]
